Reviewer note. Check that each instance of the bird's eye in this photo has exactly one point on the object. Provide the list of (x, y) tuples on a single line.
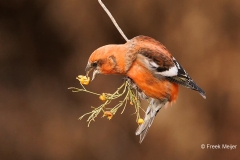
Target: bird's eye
[(94, 64)]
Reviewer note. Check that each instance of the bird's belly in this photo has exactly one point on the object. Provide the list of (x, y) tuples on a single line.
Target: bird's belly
[(152, 86)]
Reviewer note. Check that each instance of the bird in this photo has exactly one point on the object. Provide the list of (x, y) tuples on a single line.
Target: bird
[(150, 67)]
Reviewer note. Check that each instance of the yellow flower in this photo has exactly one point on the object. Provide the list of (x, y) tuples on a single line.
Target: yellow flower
[(83, 79), (140, 121), (108, 114), (102, 97)]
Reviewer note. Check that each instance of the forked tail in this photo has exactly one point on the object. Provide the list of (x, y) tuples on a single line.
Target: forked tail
[(152, 110)]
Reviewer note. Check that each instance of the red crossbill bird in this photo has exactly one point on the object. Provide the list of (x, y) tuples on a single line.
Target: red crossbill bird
[(150, 67)]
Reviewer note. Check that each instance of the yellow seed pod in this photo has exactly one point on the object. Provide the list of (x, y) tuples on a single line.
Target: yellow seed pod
[(80, 76), (108, 114), (103, 97), (140, 121), (83, 79), (131, 103)]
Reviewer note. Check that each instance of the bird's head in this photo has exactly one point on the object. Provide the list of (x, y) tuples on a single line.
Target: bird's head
[(109, 59)]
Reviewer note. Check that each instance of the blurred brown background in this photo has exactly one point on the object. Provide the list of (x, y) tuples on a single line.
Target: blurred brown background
[(45, 44)]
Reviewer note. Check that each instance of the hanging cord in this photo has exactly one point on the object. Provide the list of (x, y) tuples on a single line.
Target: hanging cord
[(113, 20)]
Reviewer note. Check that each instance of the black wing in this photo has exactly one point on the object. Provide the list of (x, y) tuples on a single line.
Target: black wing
[(161, 62), (185, 80)]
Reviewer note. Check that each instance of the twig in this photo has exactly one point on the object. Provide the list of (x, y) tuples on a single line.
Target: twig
[(113, 20), (125, 90)]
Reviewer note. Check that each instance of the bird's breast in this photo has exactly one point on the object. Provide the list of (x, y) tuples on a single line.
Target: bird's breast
[(153, 87)]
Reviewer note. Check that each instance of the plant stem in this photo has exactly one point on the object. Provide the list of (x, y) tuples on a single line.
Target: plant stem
[(113, 20)]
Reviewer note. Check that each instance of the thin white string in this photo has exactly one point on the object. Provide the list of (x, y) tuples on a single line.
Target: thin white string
[(113, 20)]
